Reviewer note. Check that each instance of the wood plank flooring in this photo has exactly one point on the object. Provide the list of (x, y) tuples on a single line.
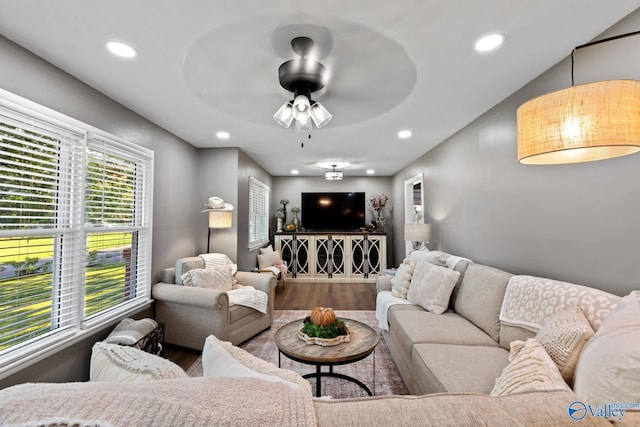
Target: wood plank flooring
[(299, 296), (339, 296)]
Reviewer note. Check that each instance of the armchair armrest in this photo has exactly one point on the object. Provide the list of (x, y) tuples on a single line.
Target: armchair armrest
[(383, 283), (262, 282), (189, 295)]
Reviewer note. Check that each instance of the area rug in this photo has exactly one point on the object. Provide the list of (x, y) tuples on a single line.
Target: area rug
[(387, 377)]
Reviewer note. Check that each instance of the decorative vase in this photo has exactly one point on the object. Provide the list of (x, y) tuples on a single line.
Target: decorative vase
[(295, 219), (279, 222)]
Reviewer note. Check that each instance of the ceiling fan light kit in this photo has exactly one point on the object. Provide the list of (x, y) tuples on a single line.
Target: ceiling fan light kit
[(302, 76)]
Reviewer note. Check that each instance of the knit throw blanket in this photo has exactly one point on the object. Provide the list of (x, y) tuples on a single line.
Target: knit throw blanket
[(177, 402), (249, 297), (529, 300)]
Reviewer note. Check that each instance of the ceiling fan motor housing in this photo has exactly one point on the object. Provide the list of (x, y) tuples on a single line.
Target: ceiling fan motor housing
[(302, 75)]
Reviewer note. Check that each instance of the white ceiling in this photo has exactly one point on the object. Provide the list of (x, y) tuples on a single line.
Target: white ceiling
[(210, 65)]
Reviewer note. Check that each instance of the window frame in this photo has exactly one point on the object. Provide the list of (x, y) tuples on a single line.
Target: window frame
[(70, 237), (259, 194)]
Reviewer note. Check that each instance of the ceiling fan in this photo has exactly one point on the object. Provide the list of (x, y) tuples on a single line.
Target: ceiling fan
[(303, 76)]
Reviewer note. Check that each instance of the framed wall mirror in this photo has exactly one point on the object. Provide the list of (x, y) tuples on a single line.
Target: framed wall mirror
[(413, 204)]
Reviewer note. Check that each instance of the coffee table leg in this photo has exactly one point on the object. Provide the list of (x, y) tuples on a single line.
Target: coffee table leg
[(318, 381)]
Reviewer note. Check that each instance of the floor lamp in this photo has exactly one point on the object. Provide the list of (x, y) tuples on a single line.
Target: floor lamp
[(220, 216)]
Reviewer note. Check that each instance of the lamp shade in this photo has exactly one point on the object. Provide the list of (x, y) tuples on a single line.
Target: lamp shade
[(583, 123), (417, 232), (284, 115), (320, 115), (333, 175), (220, 219)]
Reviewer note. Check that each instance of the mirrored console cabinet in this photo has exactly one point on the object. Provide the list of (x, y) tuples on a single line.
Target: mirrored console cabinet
[(345, 257)]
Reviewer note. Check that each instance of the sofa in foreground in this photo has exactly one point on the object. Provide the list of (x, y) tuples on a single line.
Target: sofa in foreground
[(130, 387)]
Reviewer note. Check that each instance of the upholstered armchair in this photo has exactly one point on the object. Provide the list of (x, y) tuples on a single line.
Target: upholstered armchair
[(192, 313)]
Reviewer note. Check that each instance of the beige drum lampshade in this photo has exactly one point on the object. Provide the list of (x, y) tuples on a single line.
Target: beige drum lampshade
[(583, 123)]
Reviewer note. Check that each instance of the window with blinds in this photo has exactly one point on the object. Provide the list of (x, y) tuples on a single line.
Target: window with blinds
[(75, 228), (258, 213)]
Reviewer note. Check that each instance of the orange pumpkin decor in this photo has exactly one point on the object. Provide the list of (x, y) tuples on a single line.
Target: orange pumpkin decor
[(322, 316)]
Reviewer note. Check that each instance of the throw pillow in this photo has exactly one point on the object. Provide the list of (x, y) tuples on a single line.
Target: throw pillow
[(434, 257), (122, 364), (608, 367), (268, 260), (266, 250), (220, 278), (431, 286), (401, 281), (222, 359), (530, 369), (563, 336), (129, 331)]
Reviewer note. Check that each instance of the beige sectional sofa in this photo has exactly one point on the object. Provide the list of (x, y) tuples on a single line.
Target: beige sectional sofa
[(466, 348), (459, 350)]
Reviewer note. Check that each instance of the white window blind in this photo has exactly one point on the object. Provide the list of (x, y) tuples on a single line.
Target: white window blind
[(116, 225), (75, 228), (36, 234), (258, 213)]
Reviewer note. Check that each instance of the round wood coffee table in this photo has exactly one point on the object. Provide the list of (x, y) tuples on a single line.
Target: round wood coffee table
[(364, 340)]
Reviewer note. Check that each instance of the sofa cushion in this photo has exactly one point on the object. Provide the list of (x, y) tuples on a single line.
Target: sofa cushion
[(448, 368), (480, 297), (563, 336), (460, 267), (530, 369), (446, 328), (431, 286), (401, 281), (613, 354), (411, 324), (122, 364)]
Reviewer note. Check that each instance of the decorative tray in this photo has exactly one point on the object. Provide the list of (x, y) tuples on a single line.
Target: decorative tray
[(325, 342)]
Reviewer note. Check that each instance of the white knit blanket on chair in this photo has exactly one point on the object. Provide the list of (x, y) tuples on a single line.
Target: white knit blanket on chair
[(249, 297)]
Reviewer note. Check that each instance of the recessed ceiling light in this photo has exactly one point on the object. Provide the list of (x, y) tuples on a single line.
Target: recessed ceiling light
[(404, 134), (370, 171), (489, 42), (223, 135), (120, 49), (295, 171)]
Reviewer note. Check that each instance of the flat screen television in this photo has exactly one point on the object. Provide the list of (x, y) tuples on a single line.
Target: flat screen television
[(333, 211)]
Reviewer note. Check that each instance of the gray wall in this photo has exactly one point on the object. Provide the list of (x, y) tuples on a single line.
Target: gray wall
[(247, 167), (174, 229), (577, 223), (217, 176)]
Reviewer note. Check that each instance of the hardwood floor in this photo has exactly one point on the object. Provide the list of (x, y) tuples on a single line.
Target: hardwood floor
[(339, 296), (299, 296)]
